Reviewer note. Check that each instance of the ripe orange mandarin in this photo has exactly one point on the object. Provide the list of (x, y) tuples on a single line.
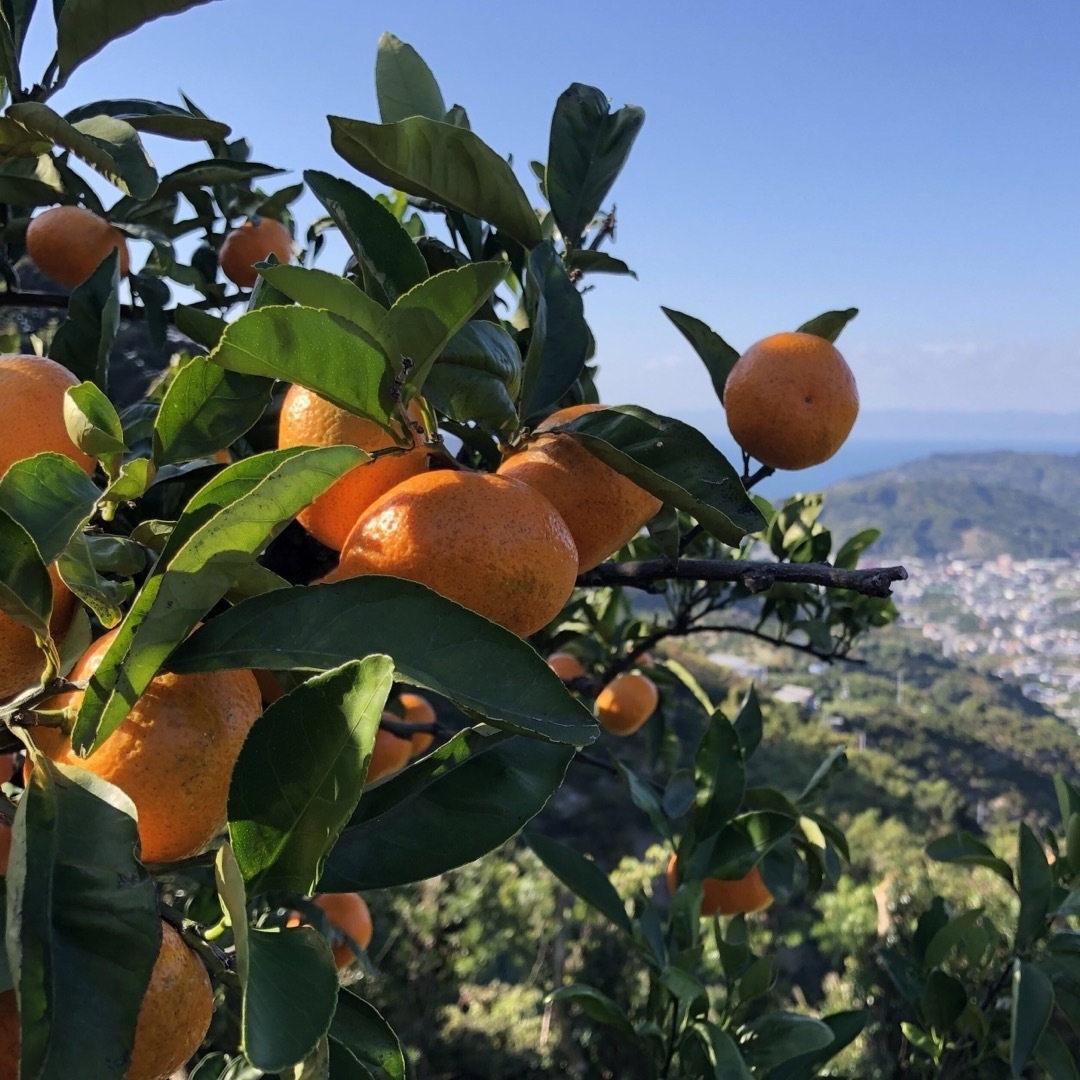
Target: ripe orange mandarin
[(389, 754), (418, 710), (492, 544), (309, 420), (250, 243), (791, 401), (602, 508), (743, 896), (68, 243), (626, 703), (173, 1019), (174, 752), (347, 912), (566, 665)]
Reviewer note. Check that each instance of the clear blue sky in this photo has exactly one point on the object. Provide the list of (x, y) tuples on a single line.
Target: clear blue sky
[(915, 159)]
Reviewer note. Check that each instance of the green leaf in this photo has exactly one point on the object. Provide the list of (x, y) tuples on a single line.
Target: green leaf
[(748, 724), (477, 376), (779, 1036), (317, 349), (320, 289), (85, 338), (645, 799), (587, 149), (596, 1006), (716, 354), (384, 250), (829, 325), (673, 461), (1072, 842), (51, 498), (227, 523), (422, 321), (708, 1051), (200, 326), (282, 825), (835, 761), (289, 996), (436, 644), (214, 172), (154, 117), (82, 921), (359, 1028), (1055, 1056), (25, 588), (206, 409), (101, 595), (946, 937), (581, 876), (966, 850), (441, 162), (404, 83), (845, 1026), (92, 422), (586, 261), (560, 339), (847, 558), (85, 27), (9, 52), (17, 14), (1032, 1004), (1035, 881), (719, 776), (109, 146), (944, 999), (456, 804)]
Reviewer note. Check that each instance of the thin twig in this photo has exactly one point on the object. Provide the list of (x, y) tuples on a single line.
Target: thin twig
[(754, 576)]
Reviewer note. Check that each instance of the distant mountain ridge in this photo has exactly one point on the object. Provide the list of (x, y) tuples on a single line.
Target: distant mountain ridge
[(974, 505)]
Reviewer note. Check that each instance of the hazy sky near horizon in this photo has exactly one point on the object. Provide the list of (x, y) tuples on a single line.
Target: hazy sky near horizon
[(914, 159)]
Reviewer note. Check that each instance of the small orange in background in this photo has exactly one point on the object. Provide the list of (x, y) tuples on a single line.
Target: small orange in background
[(626, 703), (418, 710), (791, 400), (488, 542), (250, 243), (743, 896), (566, 665), (309, 420), (347, 912), (270, 690), (68, 243), (602, 508), (389, 754)]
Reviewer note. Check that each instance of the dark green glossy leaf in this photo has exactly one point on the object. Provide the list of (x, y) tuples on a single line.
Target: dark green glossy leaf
[(596, 1006), (85, 27), (360, 1028), (946, 936), (404, 83), (587, 149), (835, 761), (645, 799), (17, 14), (83, 924), (102, 596), (85, 338), (748, 724), (384, 250), (673, 461), (778, 1037), (200, 326), (317, 349), (51, 498), (424, 320), (438, 161), (845, 1026), (944, 999), (456, 804), (435, 643), (1035, 881), (596, 262), (1056, 1057), (967, 850), (297, 782), (25, 588), (719, 776), (154, 117), (109, 146), (1032, 1004), (227, 523), (92, 422), (559, 345), (716, 354), (847, 558), (477, 376), (320, 289), (9, 53), (830, 324), (206, 409), (581, 876), (214, 171)]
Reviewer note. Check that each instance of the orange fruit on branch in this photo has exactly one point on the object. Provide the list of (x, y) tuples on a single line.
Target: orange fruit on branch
[(389, 755), (173, 1019), (742, 896), (347, 912), (490, 543), (250, 243), (566, 665), (626, 703), (309, 420), (791, 400), (68, 243), (418, 710), (173, 754), (602, 508)]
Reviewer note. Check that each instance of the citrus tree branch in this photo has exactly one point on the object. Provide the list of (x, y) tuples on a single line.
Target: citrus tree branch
[(60, 302), (756, 576)]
